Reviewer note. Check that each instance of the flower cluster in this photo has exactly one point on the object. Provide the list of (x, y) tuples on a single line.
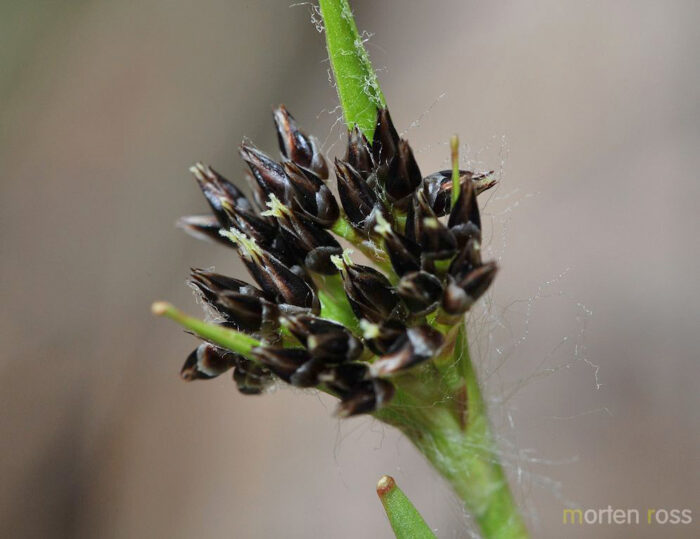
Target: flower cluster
[(318, 318)]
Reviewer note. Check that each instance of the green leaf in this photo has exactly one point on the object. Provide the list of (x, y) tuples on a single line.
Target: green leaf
[(356, 81), (404, 518)]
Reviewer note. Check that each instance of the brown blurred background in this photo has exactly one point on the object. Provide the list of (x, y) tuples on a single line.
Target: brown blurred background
[(589, 112)]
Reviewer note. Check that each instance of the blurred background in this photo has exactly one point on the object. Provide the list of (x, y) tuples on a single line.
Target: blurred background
[(588, 345)]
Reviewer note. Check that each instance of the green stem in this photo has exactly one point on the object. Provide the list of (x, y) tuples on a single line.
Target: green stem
[(455, 436), (356, 81)]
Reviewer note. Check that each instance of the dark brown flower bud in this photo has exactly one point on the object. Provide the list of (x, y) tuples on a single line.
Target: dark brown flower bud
[(420, 291), (296, 146), (245, 311), (468, 259), (358, 154), (203, 227), (311, 196), (465, 221), (370, 293), (325, 339), (365, 398), (251, 378), (283, 362), (335, 347), (385, 145), (268, 174), (219, 192), (436, 241), (461, 294), (405, 255), (422, 343), (308, 375), (274, 277), (342, 378), (403, 176), (382, 337), (312, 245), (357, 198), (205, 362), (253, 226), (212, 283), (437, 187)]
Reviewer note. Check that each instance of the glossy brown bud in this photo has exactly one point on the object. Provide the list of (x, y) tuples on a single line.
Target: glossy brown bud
[(465, 221), (219, 192), (366, 398), (382, 337), (251, 378), (460, 295), (405, 255), (205, 362), (370, 293), (283, 362), (437, 187), (357, 198), (203, 227), (420, 291), (385, 145), (297, 146), (421, 344), (268, 174), (404, 175), (311, 196), (436, 240), (358, 154)]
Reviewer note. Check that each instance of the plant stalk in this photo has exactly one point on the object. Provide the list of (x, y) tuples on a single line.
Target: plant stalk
[(448, 423)]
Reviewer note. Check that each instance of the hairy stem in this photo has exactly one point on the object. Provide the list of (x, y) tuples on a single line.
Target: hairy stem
[(356, 81), (448, 423)]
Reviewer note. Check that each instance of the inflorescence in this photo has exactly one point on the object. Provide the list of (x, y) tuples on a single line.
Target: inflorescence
[(320, 319)]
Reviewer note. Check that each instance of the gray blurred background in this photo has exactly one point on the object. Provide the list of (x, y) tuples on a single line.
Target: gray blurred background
[(588, 345)]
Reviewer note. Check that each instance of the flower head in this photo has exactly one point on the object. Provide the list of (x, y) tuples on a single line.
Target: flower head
[(316, 317)]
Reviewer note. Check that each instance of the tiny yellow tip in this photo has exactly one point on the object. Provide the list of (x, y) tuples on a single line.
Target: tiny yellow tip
[(385, 485), (454, 143), (159, 308)]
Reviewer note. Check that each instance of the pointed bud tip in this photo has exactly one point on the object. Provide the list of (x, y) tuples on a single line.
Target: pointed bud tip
[(385, 485), (160, 308)]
